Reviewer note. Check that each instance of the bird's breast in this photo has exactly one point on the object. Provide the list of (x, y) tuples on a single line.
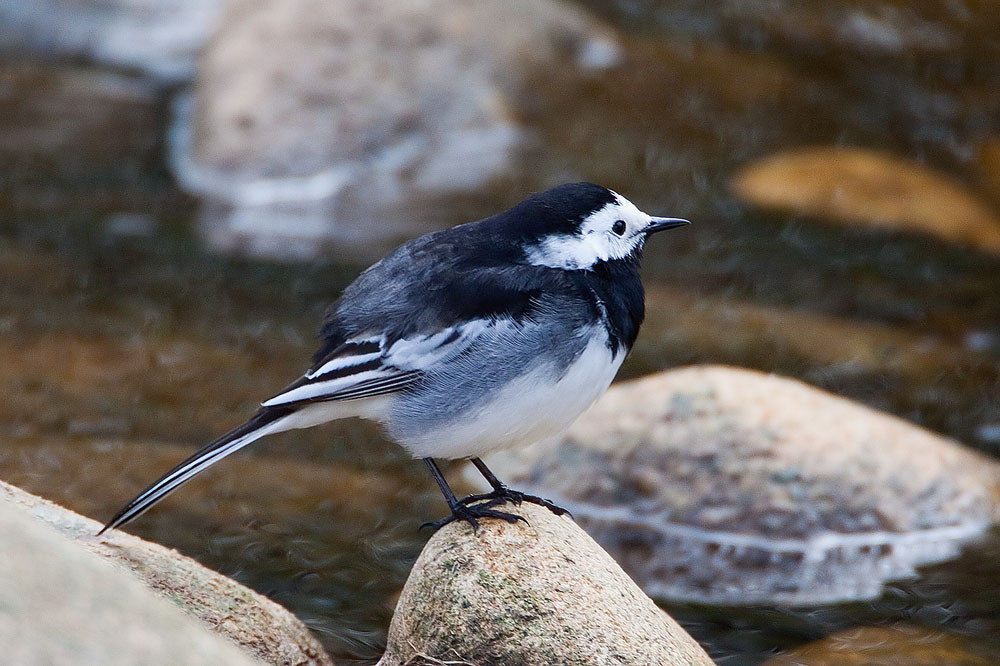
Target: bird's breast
[(533, 405)]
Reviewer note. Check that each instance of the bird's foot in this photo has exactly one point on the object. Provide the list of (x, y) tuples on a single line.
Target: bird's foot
[(505, 495), (472, 514)]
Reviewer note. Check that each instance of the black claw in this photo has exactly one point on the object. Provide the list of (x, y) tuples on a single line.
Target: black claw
[(548, 504), (505, 495), (473, 507), (471, 514)]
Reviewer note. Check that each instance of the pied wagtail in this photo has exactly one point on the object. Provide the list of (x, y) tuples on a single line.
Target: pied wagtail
[(488, 335)]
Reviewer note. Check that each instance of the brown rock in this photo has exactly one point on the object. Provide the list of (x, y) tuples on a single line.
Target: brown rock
[(900, 645), (260, 626), (727, 485), (542, 593), (856, 186)]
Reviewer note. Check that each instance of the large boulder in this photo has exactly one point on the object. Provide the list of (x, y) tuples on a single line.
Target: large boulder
[(725, 485), (528, 594), (318, 120), (118, 599)]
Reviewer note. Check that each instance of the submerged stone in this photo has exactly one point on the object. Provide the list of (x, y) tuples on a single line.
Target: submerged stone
[(869, 188), (898, 644), (724, 485)]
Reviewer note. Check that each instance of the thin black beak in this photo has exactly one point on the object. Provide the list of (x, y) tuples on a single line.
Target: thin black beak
[(664, 223)]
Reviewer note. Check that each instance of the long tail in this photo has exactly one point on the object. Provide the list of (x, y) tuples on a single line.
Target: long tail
[(265, 422)]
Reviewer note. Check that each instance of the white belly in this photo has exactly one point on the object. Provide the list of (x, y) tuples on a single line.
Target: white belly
[(530, 408)]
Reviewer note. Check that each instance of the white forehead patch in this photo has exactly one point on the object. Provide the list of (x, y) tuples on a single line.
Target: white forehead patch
[(595, 241)]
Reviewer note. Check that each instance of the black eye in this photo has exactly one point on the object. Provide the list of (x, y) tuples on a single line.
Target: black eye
[(618, 227)]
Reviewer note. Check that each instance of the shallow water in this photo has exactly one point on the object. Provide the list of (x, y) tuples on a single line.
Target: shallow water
[(126, 344)]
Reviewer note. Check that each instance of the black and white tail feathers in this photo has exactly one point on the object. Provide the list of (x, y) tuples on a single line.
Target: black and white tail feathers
[(351, 375), (348, 380), (266, 421)]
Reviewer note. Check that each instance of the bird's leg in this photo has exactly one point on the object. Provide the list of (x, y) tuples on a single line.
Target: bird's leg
[(502, 494), (500, 490), (460, 511)]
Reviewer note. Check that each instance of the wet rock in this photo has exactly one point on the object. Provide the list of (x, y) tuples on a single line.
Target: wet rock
[(856, 186), (160, 37), (107, 603), (900, 645), (725, 485), (541, 593), (321, 121)]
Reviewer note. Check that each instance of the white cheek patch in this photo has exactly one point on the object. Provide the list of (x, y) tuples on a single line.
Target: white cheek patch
[(595, 241), (568, 252)]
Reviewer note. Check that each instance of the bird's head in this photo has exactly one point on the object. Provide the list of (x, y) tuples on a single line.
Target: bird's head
[(580, 225)]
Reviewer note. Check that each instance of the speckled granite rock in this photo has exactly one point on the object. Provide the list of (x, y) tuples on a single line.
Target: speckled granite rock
[(727, 485), (520, 595), (263, 628), (869, 188)]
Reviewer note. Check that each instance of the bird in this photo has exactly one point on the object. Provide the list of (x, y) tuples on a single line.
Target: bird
[(484, 336)]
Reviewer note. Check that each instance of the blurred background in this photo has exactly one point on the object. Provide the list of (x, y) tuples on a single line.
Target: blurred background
[(186, 184)]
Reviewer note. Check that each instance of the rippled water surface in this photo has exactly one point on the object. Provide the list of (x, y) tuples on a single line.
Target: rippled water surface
[(125, 344)]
